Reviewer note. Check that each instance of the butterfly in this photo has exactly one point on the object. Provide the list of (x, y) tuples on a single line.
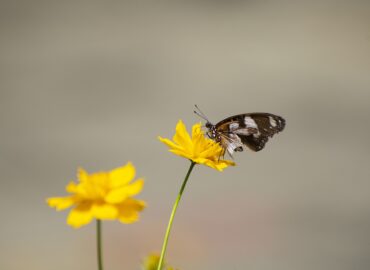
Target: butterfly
[(252, 130)]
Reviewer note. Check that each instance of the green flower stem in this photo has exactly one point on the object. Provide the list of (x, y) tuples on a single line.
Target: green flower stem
[(174, 208), (99, 244)]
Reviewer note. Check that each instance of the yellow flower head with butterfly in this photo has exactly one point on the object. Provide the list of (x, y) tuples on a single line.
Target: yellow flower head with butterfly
[(197, 147)]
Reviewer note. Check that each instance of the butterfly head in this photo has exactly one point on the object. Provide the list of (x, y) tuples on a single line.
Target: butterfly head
[(212, 131), (209, 125)]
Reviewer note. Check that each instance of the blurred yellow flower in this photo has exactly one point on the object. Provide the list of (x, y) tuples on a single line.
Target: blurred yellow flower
[(151, 263), (102, 195), (197, 148)]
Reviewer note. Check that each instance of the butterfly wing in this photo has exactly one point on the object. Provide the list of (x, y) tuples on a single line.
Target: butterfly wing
[(231, 143), (252, 130)]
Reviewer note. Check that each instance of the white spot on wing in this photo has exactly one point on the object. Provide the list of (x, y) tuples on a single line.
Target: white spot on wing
[(245, 131), (234, 126), (272, 121), (249, 122)]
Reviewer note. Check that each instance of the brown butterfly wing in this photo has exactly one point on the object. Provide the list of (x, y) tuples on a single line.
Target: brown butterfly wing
[(251, 129)]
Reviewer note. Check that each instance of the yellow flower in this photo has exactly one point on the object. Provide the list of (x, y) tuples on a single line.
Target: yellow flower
[(151, 263), (102, 195), (197, 148)]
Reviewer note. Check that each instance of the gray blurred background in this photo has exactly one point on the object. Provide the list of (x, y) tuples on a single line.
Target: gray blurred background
[(92, 84)]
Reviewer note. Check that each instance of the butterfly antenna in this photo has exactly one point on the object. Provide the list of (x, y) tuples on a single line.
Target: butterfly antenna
[(200, 113)]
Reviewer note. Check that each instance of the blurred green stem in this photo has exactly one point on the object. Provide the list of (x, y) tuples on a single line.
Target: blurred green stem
[(174, 208), (99, 244)]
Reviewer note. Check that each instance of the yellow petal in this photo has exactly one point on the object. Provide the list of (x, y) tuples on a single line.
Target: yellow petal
[(104, 211), (220, 165), (116, 195), (136, 187), (72, 187), (60, 203), (79, 216), (182, 136), (122, 175), (121, 194), (196, 131), (128, 217), (211, 148), (182, 154), (82, 175), (170, 143), (129, 210), (198, 140)]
